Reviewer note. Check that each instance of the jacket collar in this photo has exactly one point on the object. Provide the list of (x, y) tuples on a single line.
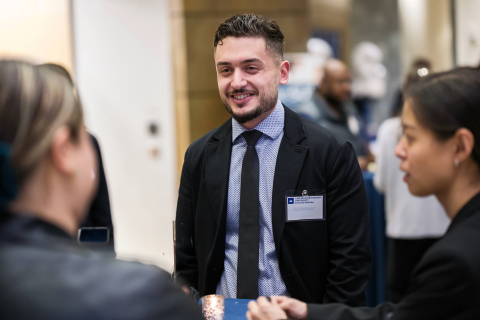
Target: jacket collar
[(223, 130), (294, 129), (471, 208), (27, 229)]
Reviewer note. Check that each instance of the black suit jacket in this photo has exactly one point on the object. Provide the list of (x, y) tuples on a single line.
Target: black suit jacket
[(320, 261), (444, 285), (45, 274)]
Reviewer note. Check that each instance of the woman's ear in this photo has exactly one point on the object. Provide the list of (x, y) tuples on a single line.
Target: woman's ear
[(464, 143), (62, 151)]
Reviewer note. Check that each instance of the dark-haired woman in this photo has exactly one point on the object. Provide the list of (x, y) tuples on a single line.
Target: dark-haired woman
[(413, 224), (48, 176), (440, 155)]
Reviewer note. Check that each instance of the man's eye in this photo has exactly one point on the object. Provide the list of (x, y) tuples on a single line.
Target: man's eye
[(252, 68)]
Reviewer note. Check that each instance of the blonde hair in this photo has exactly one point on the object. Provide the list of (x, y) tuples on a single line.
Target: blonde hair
[(34, 103)]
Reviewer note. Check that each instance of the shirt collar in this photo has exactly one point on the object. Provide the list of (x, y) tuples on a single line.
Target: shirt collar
[(271, 126)]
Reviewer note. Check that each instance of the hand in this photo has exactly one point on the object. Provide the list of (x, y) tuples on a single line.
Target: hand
[(186, 289), (294, 309), (262, 309), (363, 162)]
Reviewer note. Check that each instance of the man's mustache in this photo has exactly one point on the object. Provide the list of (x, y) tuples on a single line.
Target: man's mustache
[(242, 91)]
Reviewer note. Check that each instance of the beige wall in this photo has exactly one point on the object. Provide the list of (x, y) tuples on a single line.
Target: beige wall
[(332, 15), (202, 18), (180, 77), (426, 31), (36, 29)]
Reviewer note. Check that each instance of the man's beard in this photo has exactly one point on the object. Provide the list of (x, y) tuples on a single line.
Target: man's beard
[(333, 101), (267, 102)]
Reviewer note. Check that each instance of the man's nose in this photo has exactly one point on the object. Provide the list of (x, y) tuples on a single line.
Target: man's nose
[(238, 80)]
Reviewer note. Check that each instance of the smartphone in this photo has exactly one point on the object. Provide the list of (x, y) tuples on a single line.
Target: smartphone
[(93, 235)]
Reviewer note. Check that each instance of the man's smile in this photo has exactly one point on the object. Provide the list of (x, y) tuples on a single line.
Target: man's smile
[(242, 97)]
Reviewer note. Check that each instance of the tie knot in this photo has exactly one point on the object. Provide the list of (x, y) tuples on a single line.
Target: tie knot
[(252, 137)]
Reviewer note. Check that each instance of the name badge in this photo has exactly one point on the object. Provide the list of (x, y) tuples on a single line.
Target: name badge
[(305, 208)]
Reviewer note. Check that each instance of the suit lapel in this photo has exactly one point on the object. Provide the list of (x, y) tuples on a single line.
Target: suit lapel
[(217, 169), (289, 165)]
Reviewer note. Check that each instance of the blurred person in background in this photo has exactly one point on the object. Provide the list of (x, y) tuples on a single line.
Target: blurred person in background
[(419, 68), (413, 223), (99, 214), (48, 179), (440, 155), (330, 107)]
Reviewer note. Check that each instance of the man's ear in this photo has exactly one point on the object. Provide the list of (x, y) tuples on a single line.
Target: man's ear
[(284, 71), (62, 151), (464, 143)]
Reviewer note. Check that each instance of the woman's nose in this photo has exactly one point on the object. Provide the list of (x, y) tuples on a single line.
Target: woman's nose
[(400, 148)]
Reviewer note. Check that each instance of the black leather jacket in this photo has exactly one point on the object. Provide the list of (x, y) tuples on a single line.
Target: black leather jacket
[(45, 274)]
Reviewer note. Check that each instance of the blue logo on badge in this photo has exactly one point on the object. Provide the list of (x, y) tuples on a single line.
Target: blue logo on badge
[(290, 200)]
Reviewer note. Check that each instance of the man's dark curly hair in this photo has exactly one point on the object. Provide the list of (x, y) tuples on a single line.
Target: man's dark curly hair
[(252, 25)]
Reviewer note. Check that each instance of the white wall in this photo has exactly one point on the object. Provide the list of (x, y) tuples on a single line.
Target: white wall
[(123, 69), (467, 20), (426, 31)]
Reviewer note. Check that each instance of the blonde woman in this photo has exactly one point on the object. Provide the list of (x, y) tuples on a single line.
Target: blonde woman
[(48, 178)]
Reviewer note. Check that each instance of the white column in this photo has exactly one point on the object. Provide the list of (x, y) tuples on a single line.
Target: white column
[(124, 72)]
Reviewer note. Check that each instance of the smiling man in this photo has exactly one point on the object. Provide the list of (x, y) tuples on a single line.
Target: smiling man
[(269, 204)]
